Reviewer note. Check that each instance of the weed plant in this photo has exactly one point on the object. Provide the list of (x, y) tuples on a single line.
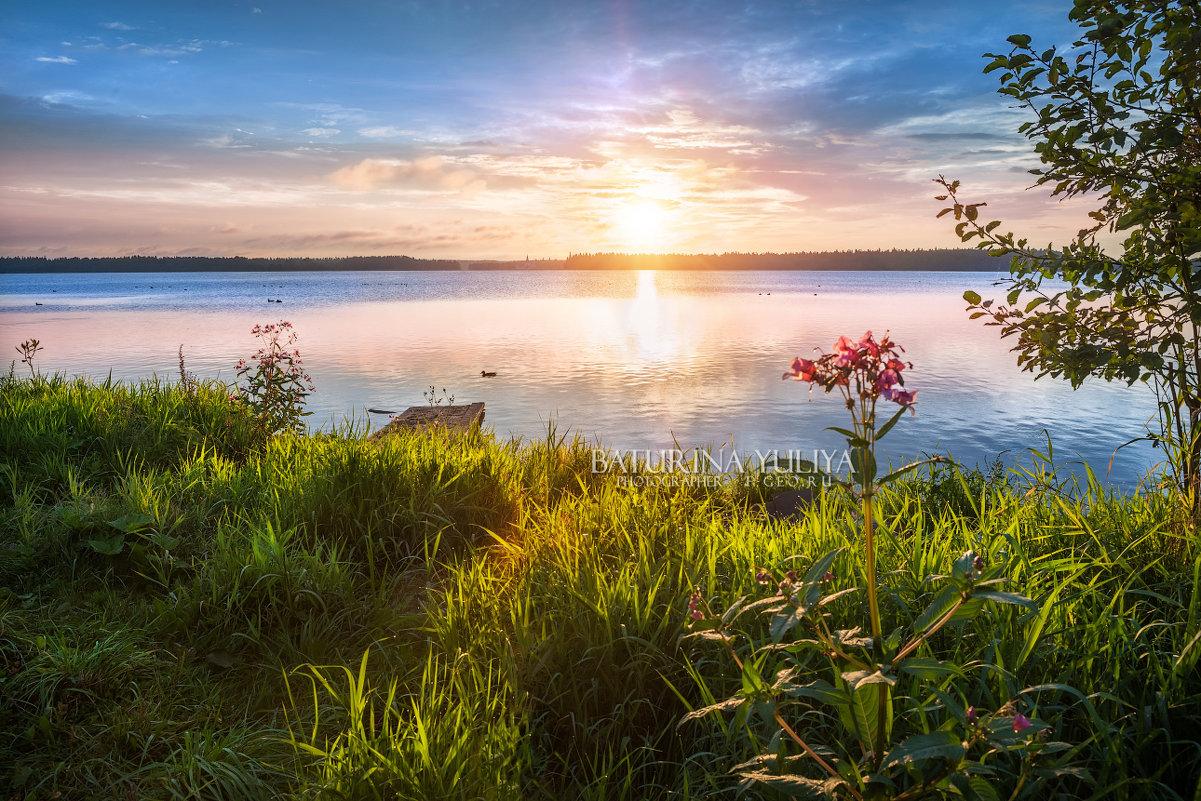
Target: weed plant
[(191, 610)]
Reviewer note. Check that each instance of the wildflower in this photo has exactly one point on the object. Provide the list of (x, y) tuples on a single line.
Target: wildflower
[(802, 370), (694, 606), (867, 343), (791, 575), (1021, 723), (899, 397), (863, 370), (762, 576), (971, 716), (828, 576), (978, 563)]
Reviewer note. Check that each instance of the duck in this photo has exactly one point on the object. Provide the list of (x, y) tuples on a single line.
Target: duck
[(486, 374)]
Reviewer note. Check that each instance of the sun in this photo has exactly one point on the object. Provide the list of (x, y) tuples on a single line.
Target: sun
[(643, 224)]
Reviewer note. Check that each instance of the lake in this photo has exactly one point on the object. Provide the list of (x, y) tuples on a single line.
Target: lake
[(630, 359)]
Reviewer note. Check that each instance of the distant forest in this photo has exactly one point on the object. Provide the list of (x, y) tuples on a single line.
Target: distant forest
[(942, 259), (952, 259), (214, 264)]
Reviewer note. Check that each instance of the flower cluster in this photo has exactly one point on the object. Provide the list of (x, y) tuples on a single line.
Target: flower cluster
[(866, 369), (276, 382)]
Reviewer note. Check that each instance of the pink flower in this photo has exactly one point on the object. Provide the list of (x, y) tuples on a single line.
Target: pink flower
[(848, 354), (867, 343), (898, 396), (1021, 723), (886, 379), (801, 370), (971, 716)]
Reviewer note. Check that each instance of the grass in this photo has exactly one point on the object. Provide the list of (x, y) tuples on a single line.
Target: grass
[(187, 611)]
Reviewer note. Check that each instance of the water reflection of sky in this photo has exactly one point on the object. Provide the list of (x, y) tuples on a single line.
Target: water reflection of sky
[(638, 359)]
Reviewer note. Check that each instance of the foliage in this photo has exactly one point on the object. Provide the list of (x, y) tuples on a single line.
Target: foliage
[(525, 608), (903, 730), (28, 349), (432, 398), (1115, 118), (276, 384)]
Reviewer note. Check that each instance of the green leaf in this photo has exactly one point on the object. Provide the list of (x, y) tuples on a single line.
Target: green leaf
[(1005, 598), (1019, 40), (784, 621), (822, 566), (819, 691), (930, 669), (862, 716), (981, 789), (895, 474), (964, 566), (892, 421), (863, 465), (790, 786), (935, 745), (131, 523), (939, 607), (720, 706), (110, 546), (966, 612)]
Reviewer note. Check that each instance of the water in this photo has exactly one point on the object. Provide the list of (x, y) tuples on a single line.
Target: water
[(632, 360)]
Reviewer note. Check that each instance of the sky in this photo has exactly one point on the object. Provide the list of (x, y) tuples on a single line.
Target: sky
[(506, 130)]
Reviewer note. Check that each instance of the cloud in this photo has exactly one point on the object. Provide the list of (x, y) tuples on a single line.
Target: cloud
[(431, 173), (318, 132), (188, 48), (117, 26), (384, 132), (57, 60)]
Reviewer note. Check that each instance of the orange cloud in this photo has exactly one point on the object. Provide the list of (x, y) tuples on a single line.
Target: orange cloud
[(431, 173)]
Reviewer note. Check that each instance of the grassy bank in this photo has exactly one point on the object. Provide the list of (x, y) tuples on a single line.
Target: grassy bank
[(187, 611)]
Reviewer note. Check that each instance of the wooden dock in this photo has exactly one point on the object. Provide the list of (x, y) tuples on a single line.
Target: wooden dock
[(423, 418)]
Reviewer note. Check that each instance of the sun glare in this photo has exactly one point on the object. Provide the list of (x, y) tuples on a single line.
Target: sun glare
[(643, 225)]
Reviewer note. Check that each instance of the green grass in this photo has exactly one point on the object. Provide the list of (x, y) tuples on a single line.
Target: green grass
[(187, 611)]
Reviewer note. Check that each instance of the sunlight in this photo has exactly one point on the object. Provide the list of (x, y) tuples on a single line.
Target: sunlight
[(643, 224)]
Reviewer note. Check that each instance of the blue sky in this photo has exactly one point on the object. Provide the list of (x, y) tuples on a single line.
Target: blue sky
[(501, 129)]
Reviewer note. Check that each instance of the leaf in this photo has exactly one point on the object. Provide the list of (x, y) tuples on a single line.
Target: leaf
[(931, 669), (964, 565), (859, 678), (892, 421), (819, 690), (720, 706), (822, 566), (1005, 598), (791, 786), (109, 547), (935, 745), (862, 715), (981, 789), (784, 621), (1019, 40), (941, 604), (131, 523), (966, 612)]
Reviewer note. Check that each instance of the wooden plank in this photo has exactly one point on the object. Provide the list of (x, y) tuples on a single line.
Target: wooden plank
[(421, 418)]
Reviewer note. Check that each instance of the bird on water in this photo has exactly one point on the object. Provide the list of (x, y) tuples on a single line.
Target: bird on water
[(486, 374)]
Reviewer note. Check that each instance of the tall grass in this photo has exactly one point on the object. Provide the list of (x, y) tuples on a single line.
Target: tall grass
[(188, 610)]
